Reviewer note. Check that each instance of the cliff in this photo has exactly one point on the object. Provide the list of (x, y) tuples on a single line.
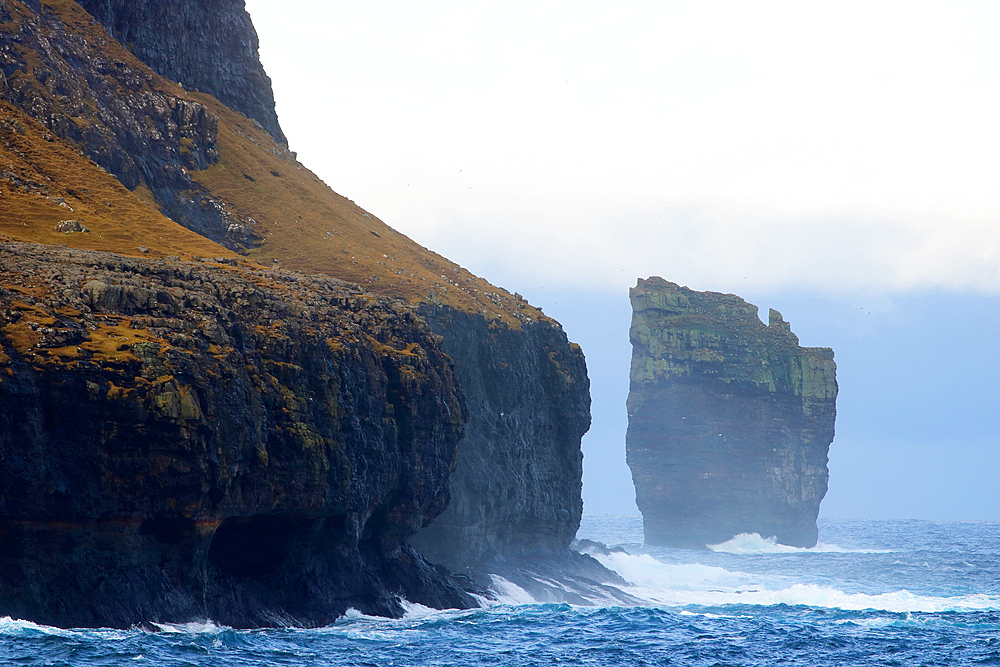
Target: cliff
[(197, 179), (517, 485), (730, 421), (64, 71), (516, 489), (190, 440), (206, 45)]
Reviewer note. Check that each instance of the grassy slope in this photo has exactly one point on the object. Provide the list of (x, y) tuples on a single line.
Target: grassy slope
[(37, 171), (304, 225)]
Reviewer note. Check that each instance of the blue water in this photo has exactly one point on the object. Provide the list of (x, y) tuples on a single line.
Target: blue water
[(871, 593)]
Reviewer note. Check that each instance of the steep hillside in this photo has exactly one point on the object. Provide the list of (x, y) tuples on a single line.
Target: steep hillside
[(215, 172), (207, 45), (44, 182), (211, 169)]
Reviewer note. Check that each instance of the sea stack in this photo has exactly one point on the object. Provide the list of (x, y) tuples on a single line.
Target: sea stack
[(730, 421)]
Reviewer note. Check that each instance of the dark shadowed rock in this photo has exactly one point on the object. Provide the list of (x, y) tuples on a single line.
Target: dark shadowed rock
[(516, 489), (182, 441), (517, 483), (730, 421), (207, 45)]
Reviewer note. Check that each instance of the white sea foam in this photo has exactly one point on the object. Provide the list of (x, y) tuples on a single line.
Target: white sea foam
[(753, 543), (415, 612), (510, 593), (193, 628), (14, 626), (678, 585)]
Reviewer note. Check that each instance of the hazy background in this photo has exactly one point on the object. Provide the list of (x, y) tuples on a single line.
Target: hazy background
[(839, 162)]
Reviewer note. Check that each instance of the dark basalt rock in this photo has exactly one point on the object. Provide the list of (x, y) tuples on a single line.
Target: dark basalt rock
[(516, 489), (86, 89), (183, 441), (730, 421), (519, 474), (208, 45)]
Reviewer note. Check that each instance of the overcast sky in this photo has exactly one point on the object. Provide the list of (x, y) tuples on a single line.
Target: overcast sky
[(724, 139), (843, 152)]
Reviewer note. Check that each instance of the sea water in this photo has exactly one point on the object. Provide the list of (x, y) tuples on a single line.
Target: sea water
[(871, 593)]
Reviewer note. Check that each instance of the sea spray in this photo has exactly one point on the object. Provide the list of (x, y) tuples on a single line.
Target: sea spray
[(927, 594)]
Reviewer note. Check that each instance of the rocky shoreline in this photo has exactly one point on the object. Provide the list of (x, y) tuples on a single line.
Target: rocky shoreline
[(189, 440)]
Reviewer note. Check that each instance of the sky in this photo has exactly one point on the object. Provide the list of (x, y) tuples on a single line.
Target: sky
[(835, 161)]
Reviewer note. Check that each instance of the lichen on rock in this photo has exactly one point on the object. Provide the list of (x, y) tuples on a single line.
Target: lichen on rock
[(185, 440), (730, 421)]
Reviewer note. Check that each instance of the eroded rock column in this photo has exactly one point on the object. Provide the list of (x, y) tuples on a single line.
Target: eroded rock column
[(730, 421)]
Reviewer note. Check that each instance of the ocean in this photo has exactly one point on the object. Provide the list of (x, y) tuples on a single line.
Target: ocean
[(905, 593)]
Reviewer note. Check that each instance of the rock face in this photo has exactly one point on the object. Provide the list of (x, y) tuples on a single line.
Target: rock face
[(82, 85), (201, 440), (516, 488), (517, 477), (208, 45), (730, 421)]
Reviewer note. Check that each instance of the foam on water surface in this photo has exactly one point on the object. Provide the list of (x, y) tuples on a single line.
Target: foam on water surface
[(934, 599), (752, 543), (679, 585), (510, 593)]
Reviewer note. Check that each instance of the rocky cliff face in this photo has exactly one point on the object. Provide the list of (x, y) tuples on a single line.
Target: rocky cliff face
[(183, 440), (66, 73), (730, 421), (211, 170), (516, 488), (207, 45)]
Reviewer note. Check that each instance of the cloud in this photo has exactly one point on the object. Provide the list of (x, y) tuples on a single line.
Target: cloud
[(831, 146)]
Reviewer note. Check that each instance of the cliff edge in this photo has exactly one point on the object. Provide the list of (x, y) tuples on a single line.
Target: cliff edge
[(207, 439), (101, 153), (207, 45), (730, 421)]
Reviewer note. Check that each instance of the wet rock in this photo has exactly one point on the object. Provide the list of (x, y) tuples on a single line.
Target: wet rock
[(183, 441)]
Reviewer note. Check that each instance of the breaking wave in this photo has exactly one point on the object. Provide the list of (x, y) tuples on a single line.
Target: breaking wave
[(693, 584), (752, 543)]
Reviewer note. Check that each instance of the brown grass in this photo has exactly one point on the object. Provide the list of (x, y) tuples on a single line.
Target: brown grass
[(305, 226), (118, 220)]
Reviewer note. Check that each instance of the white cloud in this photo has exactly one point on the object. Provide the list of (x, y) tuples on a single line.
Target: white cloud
[(828, 145)]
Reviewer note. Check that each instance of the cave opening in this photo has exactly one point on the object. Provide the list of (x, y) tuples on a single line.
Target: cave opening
[(254, 546)]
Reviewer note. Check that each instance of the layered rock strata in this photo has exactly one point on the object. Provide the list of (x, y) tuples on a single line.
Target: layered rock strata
[(516, 489), (190, 440), (517, 485), (207, 45), (68, 74), (236, 186), (730, 421)]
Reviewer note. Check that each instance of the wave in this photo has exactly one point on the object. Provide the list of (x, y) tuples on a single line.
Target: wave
[(13, 627), (681, 585), (753, 543), (509, 593), (192, 628)]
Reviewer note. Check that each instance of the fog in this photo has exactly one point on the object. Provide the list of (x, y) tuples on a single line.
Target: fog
[(836, 162)]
